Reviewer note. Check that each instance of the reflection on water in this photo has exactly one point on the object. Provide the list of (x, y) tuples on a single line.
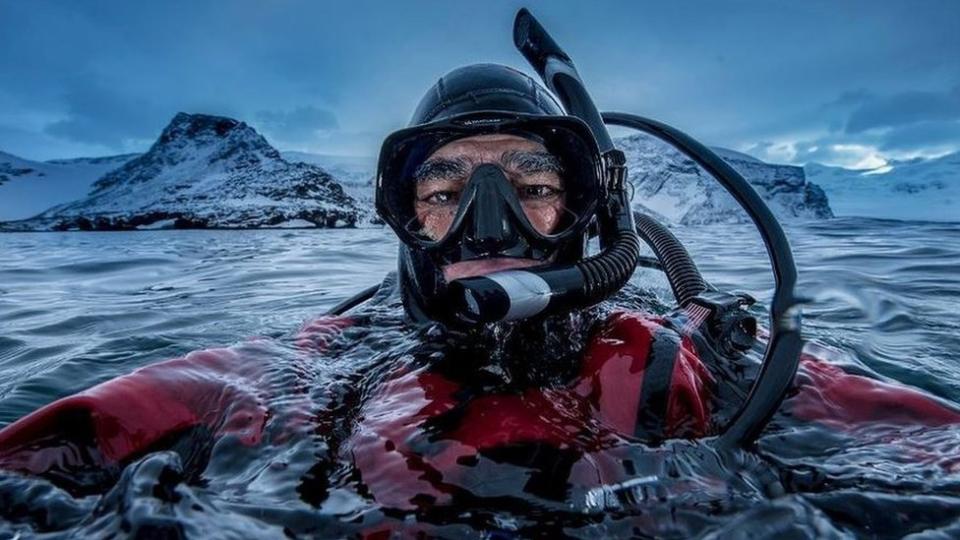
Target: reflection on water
[(78, 309)]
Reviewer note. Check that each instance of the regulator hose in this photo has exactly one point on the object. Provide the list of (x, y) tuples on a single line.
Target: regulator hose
[(671, 258), (608, 272), (682, 273)]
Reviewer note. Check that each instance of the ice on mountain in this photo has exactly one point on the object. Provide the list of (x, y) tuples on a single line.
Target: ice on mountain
[(675, 187), (29, 187), (917, 189), (206, 171)]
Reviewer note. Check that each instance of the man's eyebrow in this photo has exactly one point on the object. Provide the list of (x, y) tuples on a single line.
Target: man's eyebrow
[(531, 161), (441, 168)]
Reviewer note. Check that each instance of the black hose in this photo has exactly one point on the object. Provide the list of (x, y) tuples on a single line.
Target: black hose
[(609, 271), (682, 273), (666, 248), (783, 351), (353, 301)]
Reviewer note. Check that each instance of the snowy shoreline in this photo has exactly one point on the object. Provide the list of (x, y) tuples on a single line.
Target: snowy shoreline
[(209, 172)]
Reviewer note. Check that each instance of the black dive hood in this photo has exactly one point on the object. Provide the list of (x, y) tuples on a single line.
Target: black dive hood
[(519, 294)]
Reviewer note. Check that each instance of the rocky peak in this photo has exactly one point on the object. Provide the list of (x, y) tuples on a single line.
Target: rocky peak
[(196, 141), (671, 185), (193, 126), (206, 171), (205, 130)]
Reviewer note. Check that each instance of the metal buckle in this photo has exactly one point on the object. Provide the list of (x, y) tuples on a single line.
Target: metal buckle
[(615, 167)]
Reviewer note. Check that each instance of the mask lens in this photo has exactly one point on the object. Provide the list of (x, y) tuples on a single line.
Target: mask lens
[(424, 175), (534, 179)]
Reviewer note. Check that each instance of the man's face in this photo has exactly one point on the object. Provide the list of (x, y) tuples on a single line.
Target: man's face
[(534, 172)]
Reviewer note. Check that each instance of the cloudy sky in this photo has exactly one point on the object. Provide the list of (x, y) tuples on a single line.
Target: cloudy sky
[(852, 83)]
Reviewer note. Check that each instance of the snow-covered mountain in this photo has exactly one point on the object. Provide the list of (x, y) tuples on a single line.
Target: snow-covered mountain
[(677, 189), (917, 189), (30, 187), (354, 173), (350, 171), (206, 171)]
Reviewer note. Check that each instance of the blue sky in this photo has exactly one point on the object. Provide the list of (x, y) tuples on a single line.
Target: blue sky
[(851, 83)]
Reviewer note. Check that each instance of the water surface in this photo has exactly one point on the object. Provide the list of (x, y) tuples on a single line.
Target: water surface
[(77, 309)]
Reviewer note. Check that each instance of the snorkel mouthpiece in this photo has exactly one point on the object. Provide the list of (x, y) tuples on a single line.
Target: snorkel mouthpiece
[(500, 296)]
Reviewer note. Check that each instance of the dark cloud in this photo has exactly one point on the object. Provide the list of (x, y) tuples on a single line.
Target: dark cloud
[(848, 99), (97, 114), (855, 156), (836, 111), (923, 135), (833, 149), (866, 150), (302, 123), (861, 128), (904, 109), (108, 73), (25, 143)]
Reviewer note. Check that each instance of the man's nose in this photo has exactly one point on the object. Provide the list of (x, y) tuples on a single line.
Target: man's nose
[(490, 230)]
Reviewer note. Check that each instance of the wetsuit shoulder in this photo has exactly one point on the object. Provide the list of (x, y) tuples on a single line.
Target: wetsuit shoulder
[(316, 335), (126, 416), (824, 392), (646, 378)]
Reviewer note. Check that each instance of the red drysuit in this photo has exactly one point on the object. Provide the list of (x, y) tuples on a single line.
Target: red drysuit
[(638, 376)]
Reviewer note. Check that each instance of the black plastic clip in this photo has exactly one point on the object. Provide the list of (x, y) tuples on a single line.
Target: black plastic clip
[(730, 326)]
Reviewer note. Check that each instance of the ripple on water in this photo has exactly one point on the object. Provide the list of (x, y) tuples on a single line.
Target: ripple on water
[(108, 266)]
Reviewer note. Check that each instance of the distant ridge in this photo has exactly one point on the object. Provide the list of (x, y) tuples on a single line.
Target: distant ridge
[(674, 187), (28, 187), (205, 171)]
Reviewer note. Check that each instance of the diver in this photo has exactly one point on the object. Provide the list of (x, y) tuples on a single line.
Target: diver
[(494, 171), (528, 379)]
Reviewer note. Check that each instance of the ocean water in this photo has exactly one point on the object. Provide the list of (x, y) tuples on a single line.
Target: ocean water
[(78, 309)]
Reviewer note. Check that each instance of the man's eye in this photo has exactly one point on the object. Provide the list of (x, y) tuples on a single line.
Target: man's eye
[(538, 191), (441, 197)]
